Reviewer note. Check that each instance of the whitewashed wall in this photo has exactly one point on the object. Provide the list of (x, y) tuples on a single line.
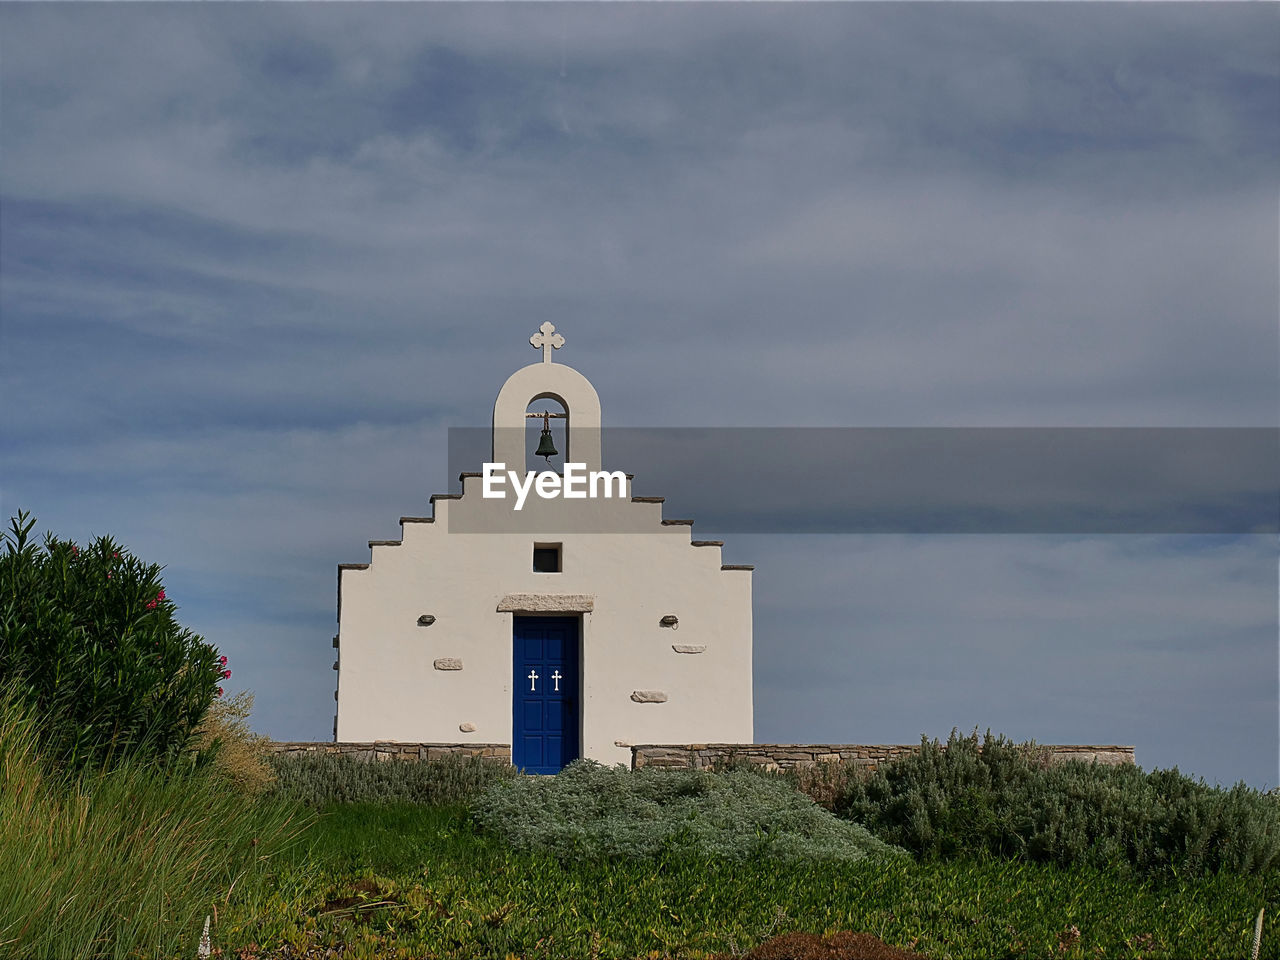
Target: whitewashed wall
[(630, 572)]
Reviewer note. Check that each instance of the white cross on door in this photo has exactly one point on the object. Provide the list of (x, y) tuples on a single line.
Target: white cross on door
[(533, 680), (556, 677)]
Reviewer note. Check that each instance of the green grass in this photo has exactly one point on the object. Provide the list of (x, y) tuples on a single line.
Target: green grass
[(124, 863), (448, 891), (127, 864)]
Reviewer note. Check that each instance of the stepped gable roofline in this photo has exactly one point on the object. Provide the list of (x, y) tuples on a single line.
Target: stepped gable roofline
[(458, 496)]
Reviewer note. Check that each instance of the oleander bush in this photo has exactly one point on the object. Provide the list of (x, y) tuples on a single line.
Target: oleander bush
[(322, 779), (119, 862), (995, 797), (88, 636), (589, 811)]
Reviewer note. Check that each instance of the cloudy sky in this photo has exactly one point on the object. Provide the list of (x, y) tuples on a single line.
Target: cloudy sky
[(255, 260)]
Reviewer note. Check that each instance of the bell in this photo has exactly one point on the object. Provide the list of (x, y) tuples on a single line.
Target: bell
[(546, 446)]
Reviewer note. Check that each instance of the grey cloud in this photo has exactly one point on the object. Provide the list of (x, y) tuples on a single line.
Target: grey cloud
[(254, 258)]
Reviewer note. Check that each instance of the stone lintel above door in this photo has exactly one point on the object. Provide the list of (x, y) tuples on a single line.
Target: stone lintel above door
[(547, 603)]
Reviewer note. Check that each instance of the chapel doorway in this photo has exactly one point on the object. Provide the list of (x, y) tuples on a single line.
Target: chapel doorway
[(545, 717)]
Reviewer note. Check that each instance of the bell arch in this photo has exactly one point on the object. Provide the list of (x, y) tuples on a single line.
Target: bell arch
[(557, 424), (547, 381)]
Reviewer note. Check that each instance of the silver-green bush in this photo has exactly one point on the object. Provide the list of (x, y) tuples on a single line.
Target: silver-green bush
[(970, 798), (332, 778), (589, 811)]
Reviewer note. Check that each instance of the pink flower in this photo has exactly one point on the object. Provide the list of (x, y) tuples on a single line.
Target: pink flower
[(75, 551), (219, 691), (108, 574), (151, 604), (160, 595), (226, 674), (116, 554), (222, 660)]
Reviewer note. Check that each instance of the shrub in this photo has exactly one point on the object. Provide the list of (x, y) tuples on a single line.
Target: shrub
[(92, 641), (237, 754), (323, 779), (589, 811), (823, 783), (125, 862), (999, 798)]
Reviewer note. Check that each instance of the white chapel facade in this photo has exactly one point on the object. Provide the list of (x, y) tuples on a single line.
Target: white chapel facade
[(569, 628)]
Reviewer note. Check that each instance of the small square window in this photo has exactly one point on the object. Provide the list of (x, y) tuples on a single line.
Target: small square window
[(546, 558)]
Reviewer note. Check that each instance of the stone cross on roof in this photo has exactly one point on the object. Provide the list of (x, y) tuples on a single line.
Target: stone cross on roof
[(547, 338)]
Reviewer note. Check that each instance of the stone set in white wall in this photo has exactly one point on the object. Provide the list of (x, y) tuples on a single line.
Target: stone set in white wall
[(648, 696), (546, 603)]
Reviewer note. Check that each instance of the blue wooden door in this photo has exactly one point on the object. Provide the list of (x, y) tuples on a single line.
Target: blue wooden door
[(545, 719)]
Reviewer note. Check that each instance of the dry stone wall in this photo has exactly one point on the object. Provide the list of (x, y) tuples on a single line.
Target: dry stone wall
[(695, 756), (393, 750), (782, 756)]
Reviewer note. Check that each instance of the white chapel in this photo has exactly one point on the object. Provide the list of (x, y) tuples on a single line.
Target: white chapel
[(574, 626)]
